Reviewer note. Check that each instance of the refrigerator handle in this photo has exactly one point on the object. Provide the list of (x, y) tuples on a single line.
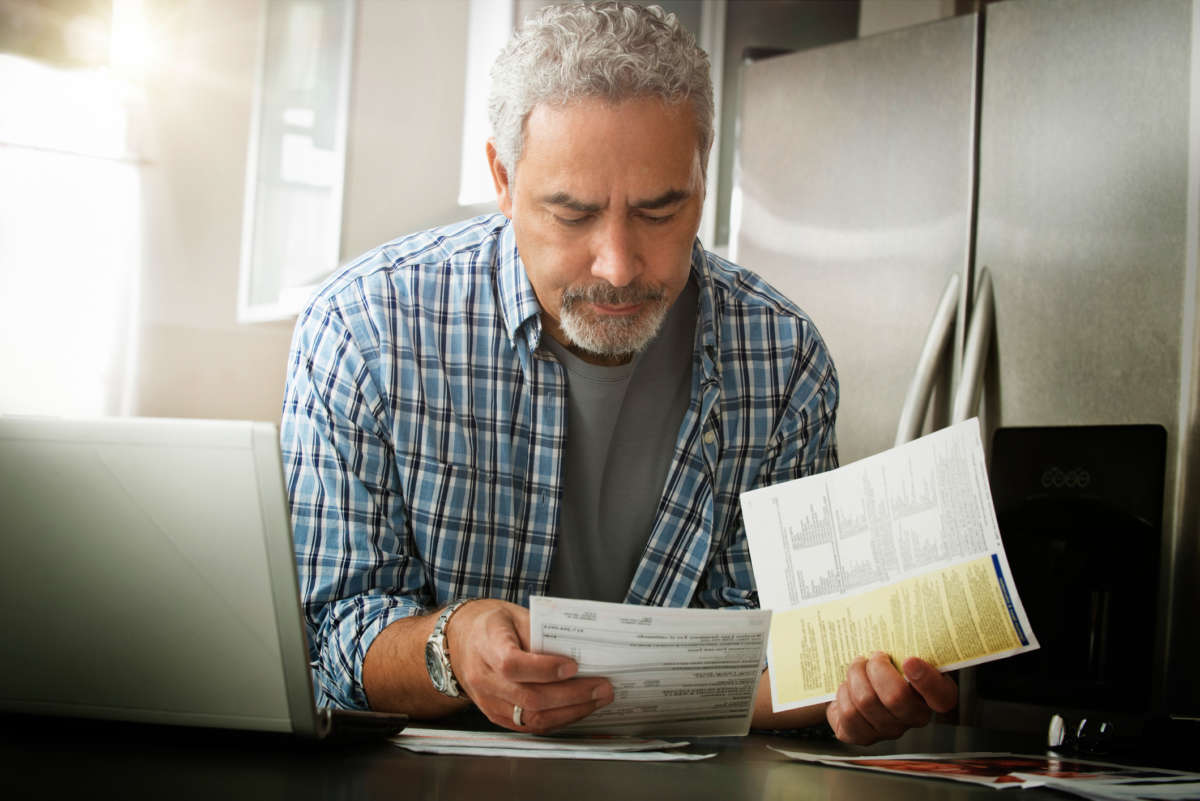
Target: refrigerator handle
[(979, 341), (912, 414)]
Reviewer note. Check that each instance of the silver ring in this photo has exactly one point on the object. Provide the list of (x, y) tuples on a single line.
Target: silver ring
[(517, 715)]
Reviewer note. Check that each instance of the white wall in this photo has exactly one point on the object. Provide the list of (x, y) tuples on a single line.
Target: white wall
[(193, 358), (877, 16), (405, 134)]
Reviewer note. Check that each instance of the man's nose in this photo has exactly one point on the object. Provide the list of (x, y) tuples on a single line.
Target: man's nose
[(614, 256)]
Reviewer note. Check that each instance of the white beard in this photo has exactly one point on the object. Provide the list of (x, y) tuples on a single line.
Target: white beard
[(607, 335)]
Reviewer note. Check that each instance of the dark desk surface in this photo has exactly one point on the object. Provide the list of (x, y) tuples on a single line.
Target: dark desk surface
[(46, 758)]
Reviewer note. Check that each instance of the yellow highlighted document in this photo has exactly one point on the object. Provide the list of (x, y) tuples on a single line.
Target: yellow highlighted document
[(948, 617), (899, 552)]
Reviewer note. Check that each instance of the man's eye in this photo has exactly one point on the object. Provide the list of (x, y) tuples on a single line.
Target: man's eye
[(573, 221), (659, 219)]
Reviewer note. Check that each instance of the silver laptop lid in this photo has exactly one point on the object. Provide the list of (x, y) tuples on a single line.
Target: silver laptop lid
[(147, 574)]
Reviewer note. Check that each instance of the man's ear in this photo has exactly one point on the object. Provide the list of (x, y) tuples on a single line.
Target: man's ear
[(501, 180)]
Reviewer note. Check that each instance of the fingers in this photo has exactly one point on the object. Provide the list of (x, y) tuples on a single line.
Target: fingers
[(939, 690), (517, 665), (492, 637), (847, 723), (547, 707), (865, 716), (875, 702), (489, 654), (541, 684), (889, 689)]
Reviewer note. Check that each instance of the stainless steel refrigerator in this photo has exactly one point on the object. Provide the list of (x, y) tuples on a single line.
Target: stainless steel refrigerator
[(997, 214)]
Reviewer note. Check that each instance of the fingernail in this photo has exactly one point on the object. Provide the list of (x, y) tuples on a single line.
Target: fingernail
[(916, 672), (566, 671), (602, 694)]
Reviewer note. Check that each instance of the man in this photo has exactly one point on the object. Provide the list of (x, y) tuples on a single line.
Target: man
[(567, 398)]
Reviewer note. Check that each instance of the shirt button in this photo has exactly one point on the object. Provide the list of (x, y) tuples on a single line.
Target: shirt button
[(709, 438)]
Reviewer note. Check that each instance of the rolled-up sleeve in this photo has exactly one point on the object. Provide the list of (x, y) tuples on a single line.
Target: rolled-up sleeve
[(805, 442), (357, 566)]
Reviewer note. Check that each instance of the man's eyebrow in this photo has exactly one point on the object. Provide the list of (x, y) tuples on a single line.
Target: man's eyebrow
[(668, 198), (574, 204)]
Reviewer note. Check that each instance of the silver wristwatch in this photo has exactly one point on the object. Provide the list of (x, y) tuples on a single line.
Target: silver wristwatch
[(437, 654)]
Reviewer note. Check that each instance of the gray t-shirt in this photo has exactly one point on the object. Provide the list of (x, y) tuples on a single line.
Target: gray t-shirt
[(622, 423)]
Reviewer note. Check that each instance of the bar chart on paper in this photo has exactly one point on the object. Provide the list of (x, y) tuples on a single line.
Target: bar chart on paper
[(899, 552)]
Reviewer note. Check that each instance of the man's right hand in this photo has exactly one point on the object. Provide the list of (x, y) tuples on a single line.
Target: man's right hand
[(489, 652)]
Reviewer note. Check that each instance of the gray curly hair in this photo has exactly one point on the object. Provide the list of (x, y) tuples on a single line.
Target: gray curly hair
[(609, 50)]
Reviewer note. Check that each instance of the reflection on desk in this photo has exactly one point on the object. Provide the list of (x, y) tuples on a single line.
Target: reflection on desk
[(44, 757)]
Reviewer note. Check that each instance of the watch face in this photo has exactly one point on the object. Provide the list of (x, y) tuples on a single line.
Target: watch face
[(433, 664)]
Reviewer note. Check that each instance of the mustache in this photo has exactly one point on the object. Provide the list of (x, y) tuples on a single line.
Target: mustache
[(608, 295)]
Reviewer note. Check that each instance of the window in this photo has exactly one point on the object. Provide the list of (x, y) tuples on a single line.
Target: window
[(70, 232)]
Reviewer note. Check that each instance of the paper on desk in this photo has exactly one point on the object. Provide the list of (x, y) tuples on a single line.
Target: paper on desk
[(515, 744), (531, 742), (990, 769), (673, 671), (1140, 785), (899, 552), (1001, 770)]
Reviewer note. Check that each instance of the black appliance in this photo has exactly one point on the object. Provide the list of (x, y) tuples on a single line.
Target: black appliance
[(1080, 513)]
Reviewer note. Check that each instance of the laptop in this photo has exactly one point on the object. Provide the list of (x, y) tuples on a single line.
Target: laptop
[(147, 574)]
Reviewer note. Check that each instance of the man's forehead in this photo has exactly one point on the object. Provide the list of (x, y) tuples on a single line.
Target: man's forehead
[(646, 132)]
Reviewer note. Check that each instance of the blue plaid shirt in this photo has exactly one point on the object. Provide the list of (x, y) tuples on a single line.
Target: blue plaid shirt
[(423, 437)]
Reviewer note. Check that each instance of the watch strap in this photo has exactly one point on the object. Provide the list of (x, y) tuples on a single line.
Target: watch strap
[(439, 636)]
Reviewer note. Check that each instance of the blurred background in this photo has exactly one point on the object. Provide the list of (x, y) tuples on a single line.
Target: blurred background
[(176, 175)]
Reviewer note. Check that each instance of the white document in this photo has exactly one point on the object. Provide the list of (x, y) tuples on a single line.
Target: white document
[(1137, 789), (515, 744), (899, 552), (1001, 770), (674, 671)]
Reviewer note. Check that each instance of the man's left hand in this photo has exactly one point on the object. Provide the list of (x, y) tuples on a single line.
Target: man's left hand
[(876, 703)]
